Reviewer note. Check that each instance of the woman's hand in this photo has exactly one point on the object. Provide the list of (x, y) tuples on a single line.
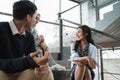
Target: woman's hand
[(91, 62), (82, 61), (86, 61)]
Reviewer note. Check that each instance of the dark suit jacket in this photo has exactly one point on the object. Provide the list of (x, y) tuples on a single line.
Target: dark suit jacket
[(10, 59)]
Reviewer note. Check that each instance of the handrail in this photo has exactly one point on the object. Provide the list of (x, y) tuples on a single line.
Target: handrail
[(100, 32), (7, 14), (112, 74)]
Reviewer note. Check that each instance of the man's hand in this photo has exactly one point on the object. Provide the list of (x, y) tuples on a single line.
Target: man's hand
[(41, 70), (40, 61)]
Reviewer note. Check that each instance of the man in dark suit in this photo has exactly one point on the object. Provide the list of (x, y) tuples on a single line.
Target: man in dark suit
[(17, 48)]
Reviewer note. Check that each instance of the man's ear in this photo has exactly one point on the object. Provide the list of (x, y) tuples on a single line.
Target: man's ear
[(28, 17)]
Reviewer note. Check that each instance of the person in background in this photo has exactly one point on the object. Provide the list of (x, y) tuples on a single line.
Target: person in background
[(83, 55), (34, 31), (41, 75), (18, 56), (39, 40), (53, 65), (43, 46)]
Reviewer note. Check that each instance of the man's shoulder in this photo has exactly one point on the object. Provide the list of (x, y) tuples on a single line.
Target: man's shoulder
[(28, 33), (4, 24)]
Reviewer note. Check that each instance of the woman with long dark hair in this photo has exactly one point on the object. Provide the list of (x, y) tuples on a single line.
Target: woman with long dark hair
[(83, 53)]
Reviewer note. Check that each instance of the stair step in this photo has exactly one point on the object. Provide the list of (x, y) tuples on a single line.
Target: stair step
[(61, 75)]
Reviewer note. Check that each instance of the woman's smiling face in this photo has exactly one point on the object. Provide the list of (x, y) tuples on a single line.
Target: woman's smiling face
[(80, 35)]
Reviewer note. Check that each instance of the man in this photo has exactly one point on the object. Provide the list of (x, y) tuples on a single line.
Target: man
[(17, 48)]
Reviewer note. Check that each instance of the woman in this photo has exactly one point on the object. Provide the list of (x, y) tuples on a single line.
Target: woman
[(43, 75), (83, 53)]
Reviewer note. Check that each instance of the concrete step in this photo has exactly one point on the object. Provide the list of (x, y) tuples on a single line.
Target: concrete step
[(61, 75)]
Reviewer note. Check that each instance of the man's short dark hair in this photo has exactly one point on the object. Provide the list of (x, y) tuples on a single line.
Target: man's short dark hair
[(22, 8)]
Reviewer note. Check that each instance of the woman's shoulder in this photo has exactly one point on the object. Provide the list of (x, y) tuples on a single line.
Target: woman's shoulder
[(91, 46)]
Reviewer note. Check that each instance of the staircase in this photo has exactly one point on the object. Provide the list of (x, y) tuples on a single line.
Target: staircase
[(61, 74), (111, 25), (110, 18)]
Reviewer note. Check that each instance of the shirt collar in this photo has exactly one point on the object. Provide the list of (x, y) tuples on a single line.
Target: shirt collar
[(14, 28)]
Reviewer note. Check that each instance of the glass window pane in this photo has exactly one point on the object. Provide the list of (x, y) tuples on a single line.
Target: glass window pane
[(5, 18), (6, 6), (51, 34)]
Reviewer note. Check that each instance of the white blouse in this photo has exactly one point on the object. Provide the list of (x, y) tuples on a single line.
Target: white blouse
[(74, 55)]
